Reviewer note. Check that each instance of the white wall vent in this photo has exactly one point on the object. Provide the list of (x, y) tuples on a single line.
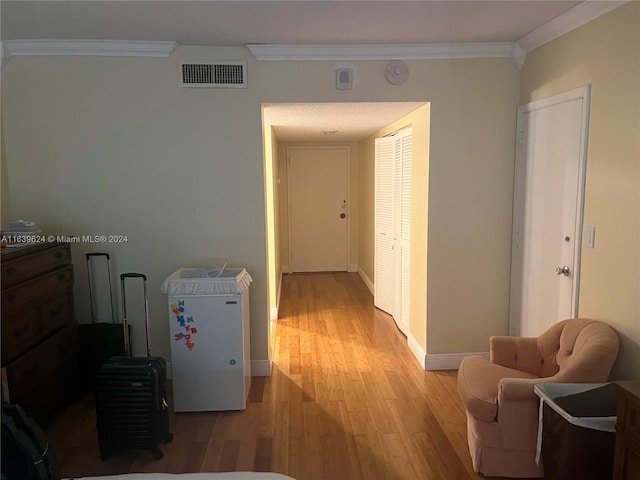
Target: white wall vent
[(214, 74)]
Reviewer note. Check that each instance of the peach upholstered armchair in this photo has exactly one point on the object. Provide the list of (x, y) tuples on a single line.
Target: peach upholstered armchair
[(501, 406)]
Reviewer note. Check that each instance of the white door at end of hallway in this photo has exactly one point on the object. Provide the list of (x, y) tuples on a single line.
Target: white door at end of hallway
[(318, 208)]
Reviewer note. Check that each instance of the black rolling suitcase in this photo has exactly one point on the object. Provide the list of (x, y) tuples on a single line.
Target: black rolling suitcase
[(131, 392), (98, 340)]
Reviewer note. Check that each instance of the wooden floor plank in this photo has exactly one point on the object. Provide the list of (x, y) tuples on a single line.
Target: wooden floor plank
[(346, 399)]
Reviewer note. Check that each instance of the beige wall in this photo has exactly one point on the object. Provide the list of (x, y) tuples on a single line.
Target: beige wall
[(5, 216), (366, 220), (113, 145), (470, 208), (271, 176), (605, 54)]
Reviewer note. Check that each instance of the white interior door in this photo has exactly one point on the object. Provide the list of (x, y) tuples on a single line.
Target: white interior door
[(318, 209), (392, 262), (549, 191)]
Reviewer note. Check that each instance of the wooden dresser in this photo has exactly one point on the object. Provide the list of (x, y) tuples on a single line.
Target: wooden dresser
[(627, 457), (39, 333)]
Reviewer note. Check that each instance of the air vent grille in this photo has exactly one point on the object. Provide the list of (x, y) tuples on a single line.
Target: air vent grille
[(214, 75)]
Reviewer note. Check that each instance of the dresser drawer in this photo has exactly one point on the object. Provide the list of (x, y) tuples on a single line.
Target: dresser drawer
[(56, 312), (40, 399), (58, 280), (19, 332), (28, 324), (39, 363), (16, 270)]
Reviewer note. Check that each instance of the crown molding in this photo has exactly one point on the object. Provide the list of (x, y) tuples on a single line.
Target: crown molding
[(434, 51), (576, 17), (105, 48)]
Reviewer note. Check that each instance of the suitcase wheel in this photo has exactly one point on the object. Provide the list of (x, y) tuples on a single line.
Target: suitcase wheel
[(157, 454), (168, 438)]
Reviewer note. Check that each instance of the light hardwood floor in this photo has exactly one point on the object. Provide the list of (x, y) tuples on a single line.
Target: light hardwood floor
[(346, 400)]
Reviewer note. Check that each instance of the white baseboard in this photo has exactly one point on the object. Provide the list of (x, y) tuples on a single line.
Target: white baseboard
[(353, 268), (367, 281), (260, 368), (438, 361), (273, 314), (448, 361), (416, 349)]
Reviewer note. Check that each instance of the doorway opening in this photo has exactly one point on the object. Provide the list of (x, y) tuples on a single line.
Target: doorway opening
[(350, 127)]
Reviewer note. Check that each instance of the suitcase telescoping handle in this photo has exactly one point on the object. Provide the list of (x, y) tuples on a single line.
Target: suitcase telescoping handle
[(124, 276), (108, 258), (97, 254)]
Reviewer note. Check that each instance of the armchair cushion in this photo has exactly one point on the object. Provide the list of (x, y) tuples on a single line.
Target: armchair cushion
[(519, 353), (479, 385)]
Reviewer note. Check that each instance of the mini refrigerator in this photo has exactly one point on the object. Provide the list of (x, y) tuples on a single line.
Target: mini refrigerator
[(210, 346)]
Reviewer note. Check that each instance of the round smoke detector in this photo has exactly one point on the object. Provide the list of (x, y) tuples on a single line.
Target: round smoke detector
[(396, 72)]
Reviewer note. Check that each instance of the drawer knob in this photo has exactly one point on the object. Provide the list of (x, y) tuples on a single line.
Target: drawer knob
[(59, 254), (62, 277), (11, 270)]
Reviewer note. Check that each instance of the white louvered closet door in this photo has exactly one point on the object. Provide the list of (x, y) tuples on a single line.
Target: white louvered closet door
[(383, 275), (403, 232), (394, 156)]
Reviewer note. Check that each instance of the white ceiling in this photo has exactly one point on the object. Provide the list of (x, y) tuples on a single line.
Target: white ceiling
[(288, 22), (236, 23)]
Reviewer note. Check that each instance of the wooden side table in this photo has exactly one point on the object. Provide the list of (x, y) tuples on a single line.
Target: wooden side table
[(627, 454)]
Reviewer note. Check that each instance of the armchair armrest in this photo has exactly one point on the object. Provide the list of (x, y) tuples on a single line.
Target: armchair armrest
[(520, 353), (517, 389), (518, 411)]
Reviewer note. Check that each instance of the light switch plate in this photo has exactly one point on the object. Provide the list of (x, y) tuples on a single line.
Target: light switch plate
[(590, 236)]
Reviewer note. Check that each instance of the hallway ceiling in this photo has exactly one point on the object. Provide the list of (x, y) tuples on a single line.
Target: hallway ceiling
[(351, 121)]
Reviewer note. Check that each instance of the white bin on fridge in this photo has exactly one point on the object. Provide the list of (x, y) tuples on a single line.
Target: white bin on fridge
[(209, 327)]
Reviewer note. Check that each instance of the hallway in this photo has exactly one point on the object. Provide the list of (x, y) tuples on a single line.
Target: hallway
[(359, 404)]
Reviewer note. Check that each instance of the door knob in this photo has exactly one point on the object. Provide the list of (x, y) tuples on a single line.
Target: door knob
[(564, 270)]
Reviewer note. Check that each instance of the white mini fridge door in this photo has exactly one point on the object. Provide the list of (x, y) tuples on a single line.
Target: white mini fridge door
[(210, 352)]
